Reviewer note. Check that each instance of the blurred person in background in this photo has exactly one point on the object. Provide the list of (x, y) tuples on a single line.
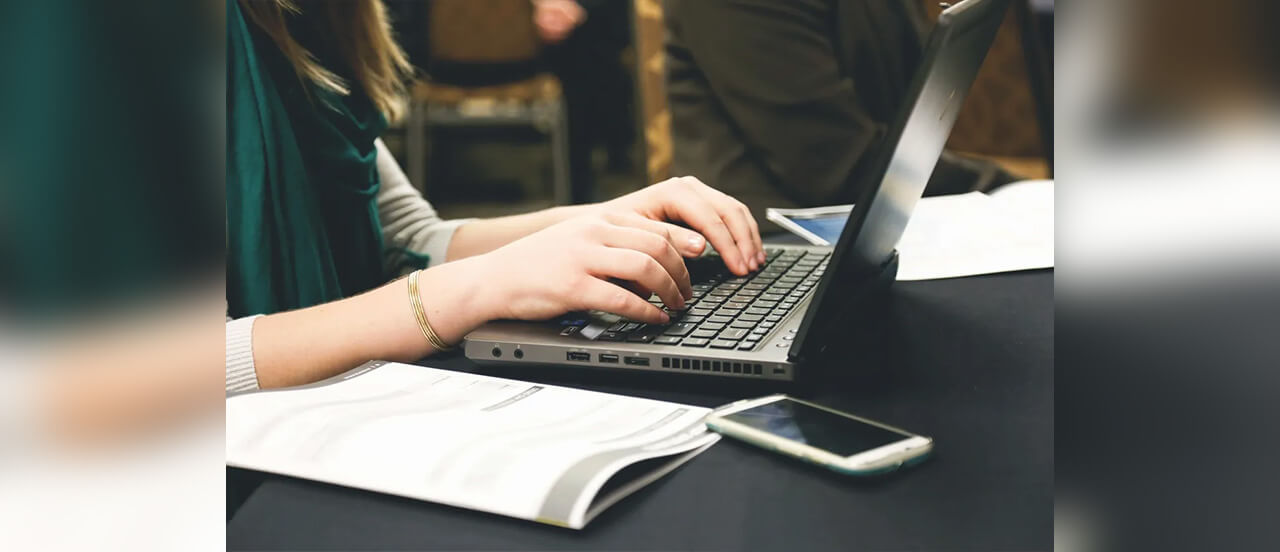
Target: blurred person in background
[(320, 216), (783, 104), (585, 41)]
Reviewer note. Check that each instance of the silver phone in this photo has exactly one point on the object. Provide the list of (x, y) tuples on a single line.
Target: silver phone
[(814, 433)]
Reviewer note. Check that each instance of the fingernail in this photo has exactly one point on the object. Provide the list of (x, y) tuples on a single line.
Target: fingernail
[(665, 318), (696, 242), (760, 257)]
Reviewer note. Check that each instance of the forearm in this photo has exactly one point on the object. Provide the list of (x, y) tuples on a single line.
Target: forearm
[(312, 344), (482, 236)]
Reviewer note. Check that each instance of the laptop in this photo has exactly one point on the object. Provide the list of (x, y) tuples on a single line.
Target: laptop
[(793, 310)]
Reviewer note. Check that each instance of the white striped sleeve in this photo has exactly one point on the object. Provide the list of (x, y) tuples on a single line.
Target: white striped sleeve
[(242, 376), (410, 225)]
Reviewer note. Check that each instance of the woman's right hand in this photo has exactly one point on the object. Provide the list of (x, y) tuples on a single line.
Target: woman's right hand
[(594, 262)]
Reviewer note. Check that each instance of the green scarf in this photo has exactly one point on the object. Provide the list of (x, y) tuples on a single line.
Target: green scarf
[(302, 180)]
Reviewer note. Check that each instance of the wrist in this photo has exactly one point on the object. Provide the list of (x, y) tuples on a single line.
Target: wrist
[(454, 298)]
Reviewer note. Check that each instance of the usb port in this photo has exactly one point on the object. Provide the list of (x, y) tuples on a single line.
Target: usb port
[(580, 357), (612, 359), (637, 361)]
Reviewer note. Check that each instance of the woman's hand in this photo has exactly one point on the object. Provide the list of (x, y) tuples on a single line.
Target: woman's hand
[(608, 261), (725, 221)]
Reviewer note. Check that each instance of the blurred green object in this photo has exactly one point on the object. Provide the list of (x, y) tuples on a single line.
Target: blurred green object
[(109, 171)]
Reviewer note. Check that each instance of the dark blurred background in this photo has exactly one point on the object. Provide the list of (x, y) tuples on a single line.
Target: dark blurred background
[(519, 106)]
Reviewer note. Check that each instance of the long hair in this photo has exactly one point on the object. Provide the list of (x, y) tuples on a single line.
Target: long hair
[(362, 32)]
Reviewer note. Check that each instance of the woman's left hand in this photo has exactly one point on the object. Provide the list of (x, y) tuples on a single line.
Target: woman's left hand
[(723, 220)]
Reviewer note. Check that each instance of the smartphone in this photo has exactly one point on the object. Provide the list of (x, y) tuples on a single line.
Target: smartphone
[(836, 440)]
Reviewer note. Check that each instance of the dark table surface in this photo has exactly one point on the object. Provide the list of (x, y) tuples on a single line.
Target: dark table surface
[(967, 361)]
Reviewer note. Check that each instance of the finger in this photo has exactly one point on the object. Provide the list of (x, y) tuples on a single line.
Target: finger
[(694, 210), (684, 240), (656, 244), (736, 218), (740, 222), (755, 234), (641, 268), (596, 294)]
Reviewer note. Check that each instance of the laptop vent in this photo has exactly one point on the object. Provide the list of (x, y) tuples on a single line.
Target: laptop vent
[(725, 367)]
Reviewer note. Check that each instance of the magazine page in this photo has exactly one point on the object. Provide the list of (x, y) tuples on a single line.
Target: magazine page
[(509, 447)]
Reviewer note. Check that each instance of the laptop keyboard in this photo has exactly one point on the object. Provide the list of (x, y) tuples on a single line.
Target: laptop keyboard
[(727, 311)]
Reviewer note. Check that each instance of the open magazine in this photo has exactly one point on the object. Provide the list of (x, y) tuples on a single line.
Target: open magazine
[(954, 235), (538, 452)]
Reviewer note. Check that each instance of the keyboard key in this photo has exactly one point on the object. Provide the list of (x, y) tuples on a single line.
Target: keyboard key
[(631, 327), (692, 319), (617, 326), (640, 337), (765, 304), (747, 345), (723, 344), (737, 305), (694, 342), (757, 310), (767, 325), (720, 319), (711, 326), (773, 318), (680, 329), (733, 333), (703, 334), (751, 317), (772, 296), (667, 340), (610, 336), (699, 311), (726, 311), (744, 324)]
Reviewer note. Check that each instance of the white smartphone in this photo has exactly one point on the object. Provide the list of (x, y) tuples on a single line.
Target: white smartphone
[(814, 433)]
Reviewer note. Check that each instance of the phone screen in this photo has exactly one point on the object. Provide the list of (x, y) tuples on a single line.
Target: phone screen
[(816, 427)]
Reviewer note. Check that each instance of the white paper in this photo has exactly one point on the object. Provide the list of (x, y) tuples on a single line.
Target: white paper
[(975, 233), (492, 444)]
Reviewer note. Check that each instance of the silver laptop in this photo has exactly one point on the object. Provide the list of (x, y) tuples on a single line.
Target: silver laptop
[(795, 308)]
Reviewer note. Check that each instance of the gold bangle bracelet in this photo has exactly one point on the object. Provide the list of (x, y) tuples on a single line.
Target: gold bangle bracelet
[(419, 313)]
